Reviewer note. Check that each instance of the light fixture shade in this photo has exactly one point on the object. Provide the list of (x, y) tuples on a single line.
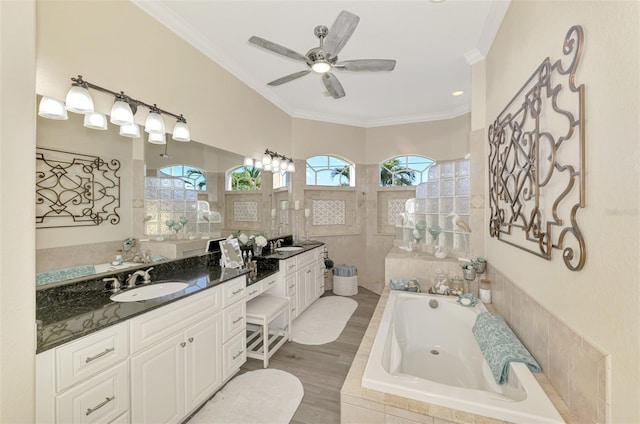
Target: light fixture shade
[(95, 121), (283, 165), (275, 163), (79, 100), (320, 67), (267, 167), (154, 123), (52, 108), (248, 161), (291, 167), (266, 159), (157, 138), (121, 113), (131, 130), (258, 164), (181, 132)]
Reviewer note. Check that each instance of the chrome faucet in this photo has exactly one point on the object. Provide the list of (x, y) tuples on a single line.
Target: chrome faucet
[(115, 284), (133, 278), (279, 243)]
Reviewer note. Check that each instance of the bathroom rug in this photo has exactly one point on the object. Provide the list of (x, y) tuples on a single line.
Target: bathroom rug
[(267, 396), (323, 321)]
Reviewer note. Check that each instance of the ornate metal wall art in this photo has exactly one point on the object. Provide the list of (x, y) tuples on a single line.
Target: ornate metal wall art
[(537, 161), (73, 189)]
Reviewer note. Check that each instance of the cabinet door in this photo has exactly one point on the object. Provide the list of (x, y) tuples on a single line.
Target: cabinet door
[(203, 360), (310, 284), (157, 383), (301, 288)]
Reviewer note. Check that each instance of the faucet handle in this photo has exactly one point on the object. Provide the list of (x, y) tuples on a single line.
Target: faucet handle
[(115, 283), (146, 275)]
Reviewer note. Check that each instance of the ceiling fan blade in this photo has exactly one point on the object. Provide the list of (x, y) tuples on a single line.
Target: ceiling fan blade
[(277, 48), (333, 85), (340, 32), (366, 65), (289, 77)]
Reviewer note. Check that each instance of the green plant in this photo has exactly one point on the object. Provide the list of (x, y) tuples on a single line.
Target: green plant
[(328, 263)]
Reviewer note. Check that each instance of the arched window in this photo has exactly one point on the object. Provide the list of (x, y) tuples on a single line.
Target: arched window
[(194, 178), (243, 178), (404, 171), (332, 171)]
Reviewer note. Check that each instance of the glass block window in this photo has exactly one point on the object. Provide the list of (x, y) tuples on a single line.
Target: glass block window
[(405, 171), (243, 178), (331, 171), (447, 197), (170, 207), (194, 178)]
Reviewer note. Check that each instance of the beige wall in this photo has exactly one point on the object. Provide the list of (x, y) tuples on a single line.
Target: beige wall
[(17, 211), (116, 45), (601, 302)]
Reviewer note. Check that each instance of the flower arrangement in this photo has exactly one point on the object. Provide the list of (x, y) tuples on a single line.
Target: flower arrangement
[(261, 241)]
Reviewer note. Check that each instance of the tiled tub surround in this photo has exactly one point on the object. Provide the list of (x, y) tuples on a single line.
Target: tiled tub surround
[(67, 312), (578, 371), (362, 405)]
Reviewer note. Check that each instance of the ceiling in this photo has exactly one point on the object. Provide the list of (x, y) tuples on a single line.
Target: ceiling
[(434, 44)]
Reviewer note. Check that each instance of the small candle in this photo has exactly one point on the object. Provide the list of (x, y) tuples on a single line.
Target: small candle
[(273, 213), (307, 213), (297, 204), (284, 205)]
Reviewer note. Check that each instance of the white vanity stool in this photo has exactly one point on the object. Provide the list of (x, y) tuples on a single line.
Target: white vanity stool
[(268, 326)]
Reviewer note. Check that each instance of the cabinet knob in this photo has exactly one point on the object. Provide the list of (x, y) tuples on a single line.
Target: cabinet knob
[(190, 339), (183, 344)]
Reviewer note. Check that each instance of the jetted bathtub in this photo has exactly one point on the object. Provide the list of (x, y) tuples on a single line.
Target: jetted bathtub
[(425, 350)]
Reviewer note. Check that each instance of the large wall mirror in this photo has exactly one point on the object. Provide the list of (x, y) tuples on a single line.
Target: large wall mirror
[(236, 199)]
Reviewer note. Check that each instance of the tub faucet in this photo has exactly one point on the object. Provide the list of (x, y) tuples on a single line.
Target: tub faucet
[(133, 278)]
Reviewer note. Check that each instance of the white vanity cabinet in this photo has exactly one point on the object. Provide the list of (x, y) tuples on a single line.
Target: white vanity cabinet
[(155, 368), (85, 381)]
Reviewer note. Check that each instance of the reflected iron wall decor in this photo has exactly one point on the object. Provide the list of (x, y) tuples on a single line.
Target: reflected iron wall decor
[(74, 189), (537, 161)]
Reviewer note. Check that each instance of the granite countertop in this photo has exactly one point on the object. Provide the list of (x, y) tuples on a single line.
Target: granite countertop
[(286, 255), (70, 311)]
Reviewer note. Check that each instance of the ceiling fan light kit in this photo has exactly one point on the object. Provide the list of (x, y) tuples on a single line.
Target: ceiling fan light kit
[(324, 58)]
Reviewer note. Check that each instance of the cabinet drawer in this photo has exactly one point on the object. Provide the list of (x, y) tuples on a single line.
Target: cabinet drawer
[(270, 282), (254, 290), (234, 354), (293, 303), (91, 354), (101, 399), (305, 258), (290, 285), (233, 320), (155, 325), (233, 290), (289, 265)]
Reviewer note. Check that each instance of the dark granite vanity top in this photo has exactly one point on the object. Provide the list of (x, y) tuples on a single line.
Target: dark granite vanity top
[(70, 311)]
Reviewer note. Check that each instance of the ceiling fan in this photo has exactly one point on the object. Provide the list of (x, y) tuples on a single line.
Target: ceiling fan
[(325, 58)]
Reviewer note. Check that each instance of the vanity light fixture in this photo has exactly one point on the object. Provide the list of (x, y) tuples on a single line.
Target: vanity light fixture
[(79, 100), (131, 130), (271, 161), (157, 138), (95, 121), (121, 113), (52, 108)]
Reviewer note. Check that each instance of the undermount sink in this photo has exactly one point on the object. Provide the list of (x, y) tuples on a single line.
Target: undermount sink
[(149, 292), (288, 249)]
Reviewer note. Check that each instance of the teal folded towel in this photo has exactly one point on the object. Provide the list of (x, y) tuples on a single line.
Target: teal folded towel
[(49, 277), (500, 346)]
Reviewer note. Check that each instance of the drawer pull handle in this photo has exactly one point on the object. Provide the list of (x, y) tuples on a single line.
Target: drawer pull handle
[(183, 344), (271, 283), (100, 405), (308, 271), (292, 286), (190, 339), (237, 320), (93, 358), (253, 292), (239, 353), (236, 292), (292, 266)]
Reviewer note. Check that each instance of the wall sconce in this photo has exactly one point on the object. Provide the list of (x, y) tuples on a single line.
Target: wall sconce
[(271, 161), (79, 100)]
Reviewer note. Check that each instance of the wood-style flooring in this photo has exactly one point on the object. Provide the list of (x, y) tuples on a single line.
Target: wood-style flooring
[(322, 369)]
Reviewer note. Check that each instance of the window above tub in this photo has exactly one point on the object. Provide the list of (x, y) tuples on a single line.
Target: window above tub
[(331, 171)]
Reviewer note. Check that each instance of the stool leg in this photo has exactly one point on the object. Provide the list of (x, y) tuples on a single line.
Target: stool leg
[(265, 343)]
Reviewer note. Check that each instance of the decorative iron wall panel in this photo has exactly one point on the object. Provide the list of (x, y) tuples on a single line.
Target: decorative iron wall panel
[(537, 161), (245, 211), (74, 189), (328, 212)]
